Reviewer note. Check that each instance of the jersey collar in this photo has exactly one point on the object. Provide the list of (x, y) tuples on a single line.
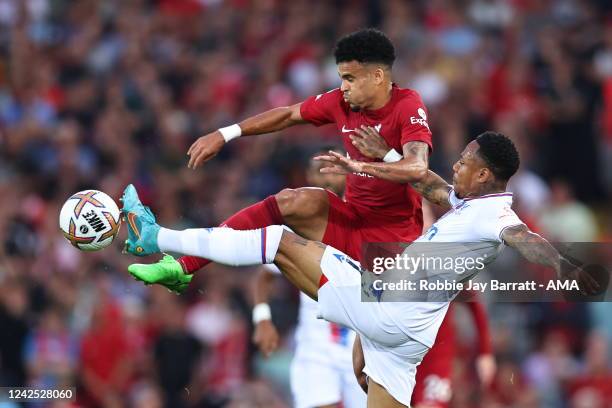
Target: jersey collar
[(456, 201), (385, 110), (504, 194)]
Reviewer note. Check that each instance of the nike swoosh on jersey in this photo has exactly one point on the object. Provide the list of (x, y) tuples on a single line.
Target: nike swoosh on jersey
[(345, 130)]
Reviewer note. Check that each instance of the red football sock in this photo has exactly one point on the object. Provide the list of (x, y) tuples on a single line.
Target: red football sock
[(258, 215)]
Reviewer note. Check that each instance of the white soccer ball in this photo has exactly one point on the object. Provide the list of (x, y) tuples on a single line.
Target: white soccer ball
[(90, 220)]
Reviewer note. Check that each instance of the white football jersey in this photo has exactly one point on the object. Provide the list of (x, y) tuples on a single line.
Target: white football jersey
[(478, 223)]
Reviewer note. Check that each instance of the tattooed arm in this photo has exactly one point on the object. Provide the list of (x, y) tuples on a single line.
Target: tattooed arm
[(412, 168), (434, 189), (538, 250), (532, 246)]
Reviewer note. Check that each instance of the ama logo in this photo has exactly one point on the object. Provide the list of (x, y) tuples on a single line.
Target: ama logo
[(421, 120)]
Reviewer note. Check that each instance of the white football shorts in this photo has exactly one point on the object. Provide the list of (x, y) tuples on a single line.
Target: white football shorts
[(391, 356)]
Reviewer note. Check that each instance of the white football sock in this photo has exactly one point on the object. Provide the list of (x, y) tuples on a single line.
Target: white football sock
[(224, 245)]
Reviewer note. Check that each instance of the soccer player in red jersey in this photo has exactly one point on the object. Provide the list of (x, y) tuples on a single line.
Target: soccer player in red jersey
[(374, 210)]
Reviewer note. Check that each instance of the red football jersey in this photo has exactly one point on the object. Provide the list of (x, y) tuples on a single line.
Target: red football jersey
[(403, 119)]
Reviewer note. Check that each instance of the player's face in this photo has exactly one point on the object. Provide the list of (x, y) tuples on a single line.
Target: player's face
[(332, 182), (468, 171), (359, 83)]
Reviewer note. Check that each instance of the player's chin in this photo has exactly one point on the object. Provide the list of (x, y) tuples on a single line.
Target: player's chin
[(354, 108)]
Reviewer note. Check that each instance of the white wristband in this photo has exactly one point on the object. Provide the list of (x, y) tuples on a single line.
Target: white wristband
[(231, 132), (261, 312), (392, 156)]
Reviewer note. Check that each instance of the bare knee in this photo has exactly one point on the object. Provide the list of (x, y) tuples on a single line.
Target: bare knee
[(302, 202)]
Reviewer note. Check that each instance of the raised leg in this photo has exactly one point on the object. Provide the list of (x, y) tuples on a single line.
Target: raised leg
[(304, 210)]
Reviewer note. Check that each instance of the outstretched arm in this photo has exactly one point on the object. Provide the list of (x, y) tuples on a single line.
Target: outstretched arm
[(371, 144), (272, 121), (207, 146), (431, 186), (538, 250), (434, 189), (413, 167)]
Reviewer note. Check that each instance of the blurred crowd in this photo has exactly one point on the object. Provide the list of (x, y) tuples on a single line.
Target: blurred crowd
[(102, 93)]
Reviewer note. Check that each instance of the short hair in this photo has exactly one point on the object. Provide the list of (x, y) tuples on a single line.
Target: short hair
[(365, 46), (499, 153)]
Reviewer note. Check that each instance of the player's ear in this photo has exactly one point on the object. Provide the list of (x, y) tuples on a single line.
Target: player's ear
[(484, 175), (379, 75)]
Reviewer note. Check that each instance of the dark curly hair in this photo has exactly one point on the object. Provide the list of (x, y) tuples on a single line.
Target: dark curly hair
[(499, 153), (364, 46)]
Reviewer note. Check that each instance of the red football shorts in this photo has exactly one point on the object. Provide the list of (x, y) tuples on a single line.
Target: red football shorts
[(350, 228)]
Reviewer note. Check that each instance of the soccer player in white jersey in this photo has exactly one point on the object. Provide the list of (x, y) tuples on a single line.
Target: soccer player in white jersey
[(321, 373), (394, 335), (323, 350)]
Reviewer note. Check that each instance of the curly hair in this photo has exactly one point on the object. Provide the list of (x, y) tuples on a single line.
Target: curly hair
[(365, 46), (499, 153)]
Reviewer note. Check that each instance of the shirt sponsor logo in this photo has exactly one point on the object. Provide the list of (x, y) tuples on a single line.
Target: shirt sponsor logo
[(421, 120)]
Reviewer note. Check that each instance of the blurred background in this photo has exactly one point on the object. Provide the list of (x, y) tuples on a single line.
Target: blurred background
[(102, 93)]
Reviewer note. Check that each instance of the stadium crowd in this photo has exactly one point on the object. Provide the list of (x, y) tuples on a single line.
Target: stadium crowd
[(102, 93)]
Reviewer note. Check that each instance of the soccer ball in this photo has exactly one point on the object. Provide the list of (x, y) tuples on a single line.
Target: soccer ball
[(90, 220)]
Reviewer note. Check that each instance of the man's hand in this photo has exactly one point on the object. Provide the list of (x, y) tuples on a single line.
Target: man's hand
[(369, 142), (486, 368), (338, 164), (537, 250), (266, 337), (204, 149), (586, 283)]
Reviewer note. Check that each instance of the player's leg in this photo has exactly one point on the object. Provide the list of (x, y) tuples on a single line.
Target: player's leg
[(391, 371), (304, 210), (300, 261), (352, 394), (359, 365), (378, 397), (298, 258)]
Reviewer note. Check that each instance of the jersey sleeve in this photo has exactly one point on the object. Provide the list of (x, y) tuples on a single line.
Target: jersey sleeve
[(414, 121), (496, 220), (320, 109)]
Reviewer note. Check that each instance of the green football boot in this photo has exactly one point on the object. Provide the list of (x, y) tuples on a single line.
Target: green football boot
[(167, 272), (141, 225)]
